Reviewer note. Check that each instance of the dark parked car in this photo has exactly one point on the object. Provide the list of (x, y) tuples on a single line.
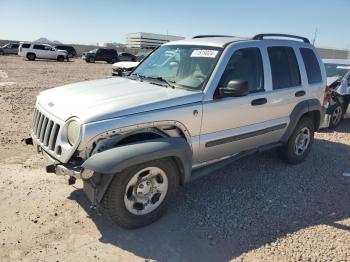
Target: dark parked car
[(70, 49), (102, 54), (10, 48), (126, 57)]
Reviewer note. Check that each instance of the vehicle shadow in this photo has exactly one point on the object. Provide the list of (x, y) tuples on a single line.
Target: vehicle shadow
[(50, 60), (246, 205)]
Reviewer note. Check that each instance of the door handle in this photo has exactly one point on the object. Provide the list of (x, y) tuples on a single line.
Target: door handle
[(259, 101), (300, 93)]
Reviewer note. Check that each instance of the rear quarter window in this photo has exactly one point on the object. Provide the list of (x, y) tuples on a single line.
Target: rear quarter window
[(312, 66), (284, 67)]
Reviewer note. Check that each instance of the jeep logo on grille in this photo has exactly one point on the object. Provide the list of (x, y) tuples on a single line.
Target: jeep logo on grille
[(51, 104)]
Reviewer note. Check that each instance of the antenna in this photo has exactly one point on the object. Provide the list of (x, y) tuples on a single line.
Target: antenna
[(315, 36)]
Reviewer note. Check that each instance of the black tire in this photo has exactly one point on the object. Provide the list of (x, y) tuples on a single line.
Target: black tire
[(113, 204), (60, 58), (91, 59), (112, 61), (289, 151), (337, 114), (2, 53), (31, 56)]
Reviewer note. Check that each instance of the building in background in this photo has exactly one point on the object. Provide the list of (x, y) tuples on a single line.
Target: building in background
[(110, 45), (143, 40)]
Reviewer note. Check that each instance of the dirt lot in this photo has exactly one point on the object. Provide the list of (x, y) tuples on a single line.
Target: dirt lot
[(258, 209)]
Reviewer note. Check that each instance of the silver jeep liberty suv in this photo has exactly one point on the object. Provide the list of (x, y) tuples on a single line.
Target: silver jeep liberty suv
[(190, 107)]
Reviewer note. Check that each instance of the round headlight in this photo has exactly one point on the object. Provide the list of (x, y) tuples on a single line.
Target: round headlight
[(73, 132)]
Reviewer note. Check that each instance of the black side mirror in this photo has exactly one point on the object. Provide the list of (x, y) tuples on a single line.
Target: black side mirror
[(234, 88)]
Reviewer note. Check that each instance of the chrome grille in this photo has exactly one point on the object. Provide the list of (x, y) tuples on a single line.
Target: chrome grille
[(45, 130)]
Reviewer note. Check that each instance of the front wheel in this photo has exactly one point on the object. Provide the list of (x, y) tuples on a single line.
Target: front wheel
[(139, 196), (60, 58), (337, 114), (299, 144)]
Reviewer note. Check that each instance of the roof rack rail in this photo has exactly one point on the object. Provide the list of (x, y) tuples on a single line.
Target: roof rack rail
[(261, 37), (206, 36)]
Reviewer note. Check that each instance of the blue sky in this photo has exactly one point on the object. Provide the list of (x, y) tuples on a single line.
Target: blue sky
[(88, 22)]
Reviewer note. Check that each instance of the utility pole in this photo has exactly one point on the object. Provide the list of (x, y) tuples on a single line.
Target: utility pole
[(315, 36)]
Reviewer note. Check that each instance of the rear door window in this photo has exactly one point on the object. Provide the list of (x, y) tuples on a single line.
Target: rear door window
[(284, 67), (39, 47), (312, 66)]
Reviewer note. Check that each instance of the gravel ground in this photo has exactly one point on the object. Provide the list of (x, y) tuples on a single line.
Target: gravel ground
[(257, 209)]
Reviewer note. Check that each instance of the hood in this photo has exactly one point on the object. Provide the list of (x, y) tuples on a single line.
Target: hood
[(64, 51), (125, 64), (96, 100)]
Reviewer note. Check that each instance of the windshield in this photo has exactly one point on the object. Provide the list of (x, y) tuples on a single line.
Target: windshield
[(337, 70), (183, 65)]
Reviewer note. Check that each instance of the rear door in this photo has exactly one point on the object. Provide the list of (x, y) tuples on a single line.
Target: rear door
[(231, 125), (296, 77), (39, 50)]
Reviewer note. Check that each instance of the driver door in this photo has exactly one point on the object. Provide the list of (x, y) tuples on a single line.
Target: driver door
[(232, 125)]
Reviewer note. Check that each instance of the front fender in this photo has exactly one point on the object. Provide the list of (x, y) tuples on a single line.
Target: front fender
[(117, 159)]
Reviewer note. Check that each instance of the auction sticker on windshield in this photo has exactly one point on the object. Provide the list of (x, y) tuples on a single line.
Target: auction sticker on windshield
[(204, 53)]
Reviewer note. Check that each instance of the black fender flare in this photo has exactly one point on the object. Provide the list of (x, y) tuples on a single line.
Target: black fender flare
[(115, 160), (299, 110)]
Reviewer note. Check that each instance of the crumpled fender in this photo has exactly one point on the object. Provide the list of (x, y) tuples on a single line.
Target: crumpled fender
[(299, 110), (115, 160)]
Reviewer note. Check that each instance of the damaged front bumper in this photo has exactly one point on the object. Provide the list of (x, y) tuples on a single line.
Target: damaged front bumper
[(94, 184), (55, 166)]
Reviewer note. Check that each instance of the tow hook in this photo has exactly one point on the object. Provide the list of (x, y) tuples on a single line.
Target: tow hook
[(28, 141), (51, 169), (71, 180)]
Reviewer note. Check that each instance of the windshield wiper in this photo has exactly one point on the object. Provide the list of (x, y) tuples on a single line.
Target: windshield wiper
[(161, 79)]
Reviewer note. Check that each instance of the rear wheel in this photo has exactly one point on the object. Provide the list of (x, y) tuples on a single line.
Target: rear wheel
[(337, 114), (2, 52), (139, 195), (299, 144), (31, 56)]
